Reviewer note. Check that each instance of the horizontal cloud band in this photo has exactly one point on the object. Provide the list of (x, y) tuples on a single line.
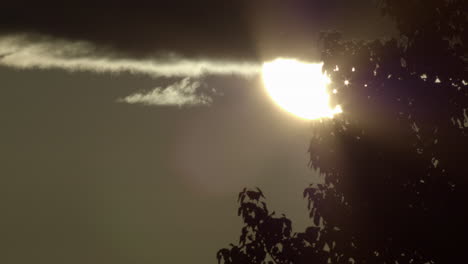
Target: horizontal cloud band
[(39, 52)]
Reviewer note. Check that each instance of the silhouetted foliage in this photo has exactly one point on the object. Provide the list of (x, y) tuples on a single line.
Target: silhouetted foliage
[(394, 163)]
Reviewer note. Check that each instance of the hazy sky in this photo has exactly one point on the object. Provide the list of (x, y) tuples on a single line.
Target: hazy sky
[(99, 164)]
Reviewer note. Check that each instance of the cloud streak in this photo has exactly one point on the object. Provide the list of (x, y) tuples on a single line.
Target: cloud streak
[(41, 52), (33, 52)]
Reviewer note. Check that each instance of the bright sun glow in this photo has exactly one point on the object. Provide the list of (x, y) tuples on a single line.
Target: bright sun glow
[(300, 88)]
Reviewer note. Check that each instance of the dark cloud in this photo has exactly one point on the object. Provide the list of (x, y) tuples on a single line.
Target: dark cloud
[(250, 30), (187, 27)]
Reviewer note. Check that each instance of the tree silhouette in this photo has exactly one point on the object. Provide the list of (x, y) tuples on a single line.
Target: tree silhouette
[(394, 163)]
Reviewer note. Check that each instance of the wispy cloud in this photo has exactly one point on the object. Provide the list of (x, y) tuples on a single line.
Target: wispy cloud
[(180, 93), (39, 52), (42, 52)]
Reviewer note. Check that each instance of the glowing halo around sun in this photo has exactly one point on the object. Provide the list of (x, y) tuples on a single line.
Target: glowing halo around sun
[(298, 87)]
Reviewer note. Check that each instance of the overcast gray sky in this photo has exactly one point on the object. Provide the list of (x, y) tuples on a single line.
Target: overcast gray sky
[(90, 176)]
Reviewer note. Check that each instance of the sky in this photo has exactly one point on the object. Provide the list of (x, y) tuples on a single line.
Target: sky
[(127, 130)]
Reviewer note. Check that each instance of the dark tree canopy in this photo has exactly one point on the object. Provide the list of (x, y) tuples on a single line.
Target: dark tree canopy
[(395, 162)]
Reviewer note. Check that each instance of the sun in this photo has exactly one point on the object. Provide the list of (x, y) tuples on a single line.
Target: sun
[(298, 87)]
